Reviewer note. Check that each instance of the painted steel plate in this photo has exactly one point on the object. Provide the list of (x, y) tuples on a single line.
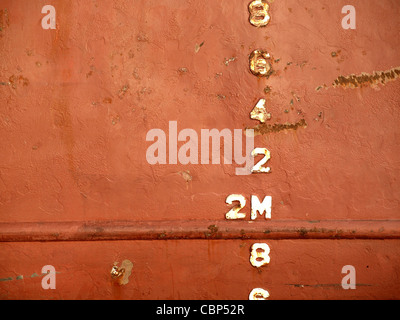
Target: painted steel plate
[(105, 107)]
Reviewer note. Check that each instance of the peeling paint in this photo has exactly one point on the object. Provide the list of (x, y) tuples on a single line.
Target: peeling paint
[(6, 279), (121, 274), (229, 60), (182, 70), (186, 175), (364, 79), (123, 90), (198, 46)]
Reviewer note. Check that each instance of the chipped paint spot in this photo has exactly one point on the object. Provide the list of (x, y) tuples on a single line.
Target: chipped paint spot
[(321, 87), (198, 46), (6, 279), (227, 61), (264, 128), (182, 70), (121, 274), (259, 112), (365, 79), (123, 90), (186, 175)]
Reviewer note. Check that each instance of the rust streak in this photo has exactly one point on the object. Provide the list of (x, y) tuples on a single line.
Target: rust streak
[(364, 79), (203, 229), (265, 128)]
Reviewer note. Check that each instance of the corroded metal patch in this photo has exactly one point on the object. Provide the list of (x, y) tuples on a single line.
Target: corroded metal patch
[(364, 79), (277, 127)]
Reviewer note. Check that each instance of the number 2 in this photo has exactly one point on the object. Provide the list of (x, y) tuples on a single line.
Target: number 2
[(234, 214), (258, 167)]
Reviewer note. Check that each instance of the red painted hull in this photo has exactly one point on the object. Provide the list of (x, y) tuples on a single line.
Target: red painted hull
[(76, 189)]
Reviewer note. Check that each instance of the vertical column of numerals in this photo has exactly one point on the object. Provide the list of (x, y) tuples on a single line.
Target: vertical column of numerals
[(259, 66)]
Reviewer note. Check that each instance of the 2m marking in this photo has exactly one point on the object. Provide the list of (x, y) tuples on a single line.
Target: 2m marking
[(256, 206)]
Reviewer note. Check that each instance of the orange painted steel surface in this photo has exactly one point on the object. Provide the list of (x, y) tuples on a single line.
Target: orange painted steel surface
[(76, 189), (214, 269)]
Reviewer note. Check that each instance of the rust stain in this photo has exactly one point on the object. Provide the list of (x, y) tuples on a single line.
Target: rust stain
[(14, 80), (264, 128), (123, 90), (213, 231), (364, 79), (107, 100), (267, 89), (4, 20), (323, 285)]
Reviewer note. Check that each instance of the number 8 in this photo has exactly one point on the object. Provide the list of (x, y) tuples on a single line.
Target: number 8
[(259, 255), (259, 16)]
